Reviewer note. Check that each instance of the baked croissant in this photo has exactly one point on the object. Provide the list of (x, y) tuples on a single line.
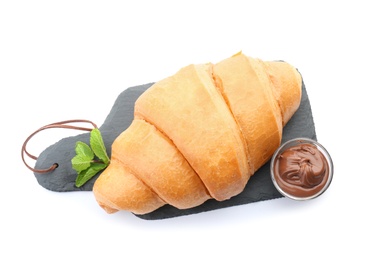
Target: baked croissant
[(199, 134)]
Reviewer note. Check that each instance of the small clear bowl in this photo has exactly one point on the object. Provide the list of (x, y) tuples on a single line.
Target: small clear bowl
[(297, 142)]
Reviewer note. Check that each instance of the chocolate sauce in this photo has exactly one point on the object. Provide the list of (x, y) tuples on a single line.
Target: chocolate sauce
[(301, 170)]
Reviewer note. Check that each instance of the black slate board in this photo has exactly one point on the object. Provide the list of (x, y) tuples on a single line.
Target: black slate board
[(259, 187)]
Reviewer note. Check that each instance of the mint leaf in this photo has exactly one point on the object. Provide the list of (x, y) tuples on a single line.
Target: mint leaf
[(83, 149), (80, 163), (87, 174), (97, 146), (83, 158)]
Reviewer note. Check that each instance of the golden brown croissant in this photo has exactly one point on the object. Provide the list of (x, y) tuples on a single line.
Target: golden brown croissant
[(199, 134)]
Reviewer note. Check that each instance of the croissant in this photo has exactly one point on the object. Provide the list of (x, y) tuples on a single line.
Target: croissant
[(199, 134)]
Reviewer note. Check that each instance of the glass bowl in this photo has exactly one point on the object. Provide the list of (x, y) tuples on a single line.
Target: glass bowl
[(301, 169)]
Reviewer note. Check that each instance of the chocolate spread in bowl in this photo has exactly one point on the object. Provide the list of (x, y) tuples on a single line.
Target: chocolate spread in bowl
[(301, 171)]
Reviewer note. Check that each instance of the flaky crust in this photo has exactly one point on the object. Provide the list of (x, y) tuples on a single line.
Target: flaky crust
[(199, 134), (199, 123)]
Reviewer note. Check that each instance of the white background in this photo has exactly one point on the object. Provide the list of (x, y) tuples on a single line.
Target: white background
[(70, 59)]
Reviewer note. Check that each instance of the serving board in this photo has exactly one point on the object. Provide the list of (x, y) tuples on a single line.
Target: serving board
[(259, 187)]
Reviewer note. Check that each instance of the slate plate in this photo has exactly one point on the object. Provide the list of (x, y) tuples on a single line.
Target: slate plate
[(259, 187)]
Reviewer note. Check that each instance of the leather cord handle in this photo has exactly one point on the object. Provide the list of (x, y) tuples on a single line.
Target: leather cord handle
[(62, 124)]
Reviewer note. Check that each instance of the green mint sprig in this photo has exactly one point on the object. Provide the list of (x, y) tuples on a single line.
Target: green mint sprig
[(88, 161)]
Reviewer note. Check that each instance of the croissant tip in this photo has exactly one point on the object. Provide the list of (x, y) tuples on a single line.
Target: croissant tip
[(238, 53)]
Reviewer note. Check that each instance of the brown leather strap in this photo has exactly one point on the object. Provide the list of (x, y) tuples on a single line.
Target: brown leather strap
[(63, 124)]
